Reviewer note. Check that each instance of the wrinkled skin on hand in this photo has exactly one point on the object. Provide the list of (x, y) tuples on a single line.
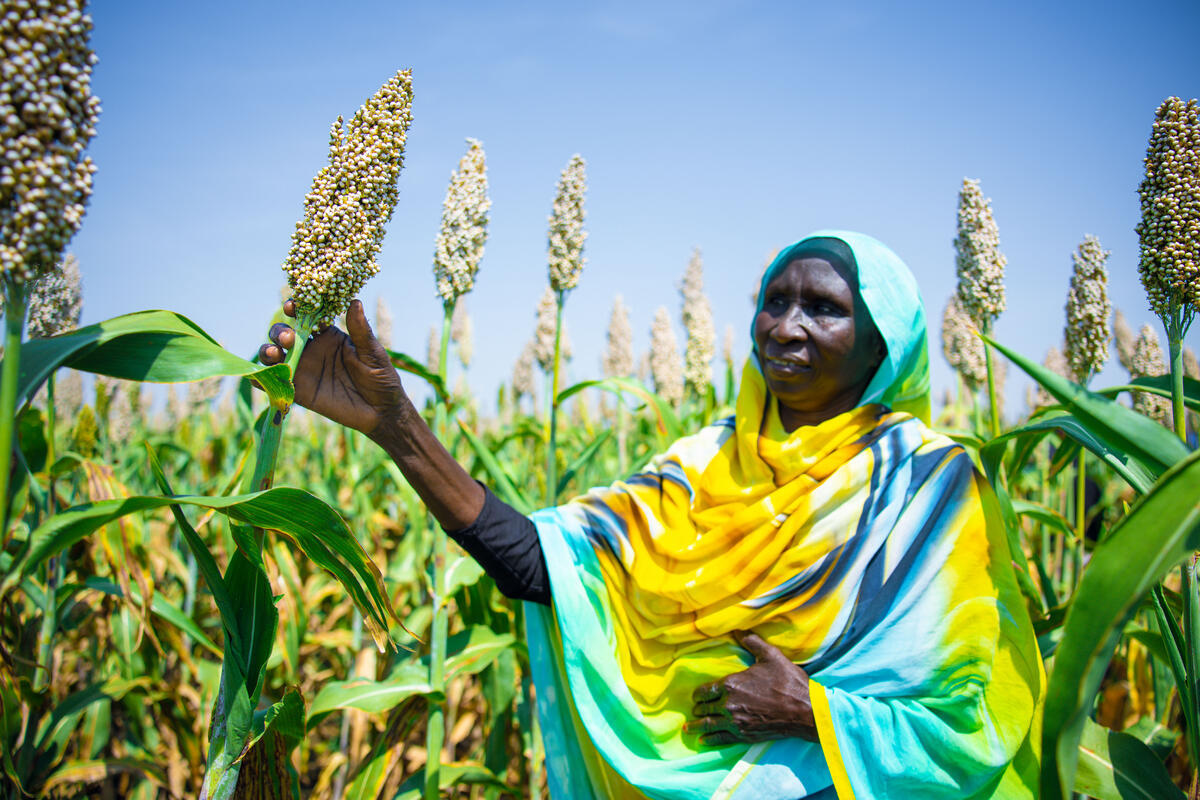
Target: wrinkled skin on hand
[(343, 375), (768, 700)]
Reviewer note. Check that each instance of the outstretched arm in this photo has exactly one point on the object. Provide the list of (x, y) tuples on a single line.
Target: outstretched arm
[(348, 377)]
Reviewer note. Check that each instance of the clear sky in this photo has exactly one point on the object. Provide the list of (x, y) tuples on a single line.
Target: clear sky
[(735, 127)]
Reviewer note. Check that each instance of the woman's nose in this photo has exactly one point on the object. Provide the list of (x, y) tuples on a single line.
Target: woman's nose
[(792, 325)]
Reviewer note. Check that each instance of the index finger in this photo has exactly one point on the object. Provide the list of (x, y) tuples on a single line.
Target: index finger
[(708, 692)]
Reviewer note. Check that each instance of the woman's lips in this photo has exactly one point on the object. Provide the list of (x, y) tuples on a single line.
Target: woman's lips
[(787, 366)]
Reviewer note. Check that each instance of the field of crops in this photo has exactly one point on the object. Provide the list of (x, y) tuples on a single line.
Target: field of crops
[(233, 597)]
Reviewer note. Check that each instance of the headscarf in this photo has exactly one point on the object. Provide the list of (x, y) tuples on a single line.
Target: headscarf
[(864, 547), (889, 291)]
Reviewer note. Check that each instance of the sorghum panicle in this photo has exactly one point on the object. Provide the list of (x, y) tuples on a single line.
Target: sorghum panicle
[(665, 364), (461, 333), (68, 394), (1088, 309), (618, 354), (961, 346), (463, 233), (522, 377), (383, 322), (335, 243), (433, 349), (47, 117), (1148, 363), (1169, 232), (120, 417), (201, 394), (727, 345), (698, 323), (1056, 362), (56, 302), (1124, 339), (1191, 367), (978, 258), (543, 335), (566, 226)]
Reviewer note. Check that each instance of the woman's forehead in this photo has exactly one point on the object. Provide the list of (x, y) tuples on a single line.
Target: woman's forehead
[(814, 272)]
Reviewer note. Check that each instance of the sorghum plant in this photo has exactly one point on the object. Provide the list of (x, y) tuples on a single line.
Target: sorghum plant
[(980, 266), (1167, 234), (47, 118), (1087, 330), (456, 258), (698, 323), (617, 362), (1087, 336), (665, 364), (964, 351)]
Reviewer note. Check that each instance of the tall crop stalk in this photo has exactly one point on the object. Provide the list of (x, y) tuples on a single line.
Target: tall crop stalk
[(993, 407), (552, 414), (15, 296), (435, 732)]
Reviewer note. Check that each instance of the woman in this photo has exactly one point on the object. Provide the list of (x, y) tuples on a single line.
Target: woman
[(807, 599)]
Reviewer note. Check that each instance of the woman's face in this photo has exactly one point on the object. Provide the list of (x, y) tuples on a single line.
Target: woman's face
[(816, 342)]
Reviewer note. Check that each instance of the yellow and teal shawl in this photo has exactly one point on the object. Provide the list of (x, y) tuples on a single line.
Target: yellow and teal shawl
[(866, 548)]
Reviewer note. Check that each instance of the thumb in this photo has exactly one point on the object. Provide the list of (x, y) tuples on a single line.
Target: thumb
[(758, 647), (361, 335)]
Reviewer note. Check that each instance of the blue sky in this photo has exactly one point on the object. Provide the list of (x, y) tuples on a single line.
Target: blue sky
[(735, 127)]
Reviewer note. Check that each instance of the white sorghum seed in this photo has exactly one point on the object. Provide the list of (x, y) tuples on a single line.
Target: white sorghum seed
[(47, 117), (566, 227), (1169, 232), (978, 258), (1088, 309), (463, 233), (351, 201)]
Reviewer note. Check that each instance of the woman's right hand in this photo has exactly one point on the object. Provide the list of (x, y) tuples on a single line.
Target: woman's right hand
[(345, 376)]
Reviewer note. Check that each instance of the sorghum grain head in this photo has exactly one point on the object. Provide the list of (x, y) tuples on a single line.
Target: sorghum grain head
[(665, 364), (351, 201), (1148, 363), (1169, 232), (978, 258), (618, 354), (461, 333), (522, 377), (1088, 310), (961, 346), (1124, 339), (463, 233), (1191, 367), (47, 117), (433, 349), (1056, 362), (56, 301), (383, 322), (566, 226), (698, 323), (543, 335)]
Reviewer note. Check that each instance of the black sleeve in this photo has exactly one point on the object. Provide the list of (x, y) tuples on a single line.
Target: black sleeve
[(505, 543)]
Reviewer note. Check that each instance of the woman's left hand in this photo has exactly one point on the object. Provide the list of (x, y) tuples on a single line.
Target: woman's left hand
[(769, 700)]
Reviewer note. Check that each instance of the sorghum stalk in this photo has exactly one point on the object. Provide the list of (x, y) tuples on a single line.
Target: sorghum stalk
[(698, 323), (980, 266), (14, 323), (1087, 335), (993, 408), (456, 258), (618, 362), (552, 419), (435, 732), (566, 261)]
